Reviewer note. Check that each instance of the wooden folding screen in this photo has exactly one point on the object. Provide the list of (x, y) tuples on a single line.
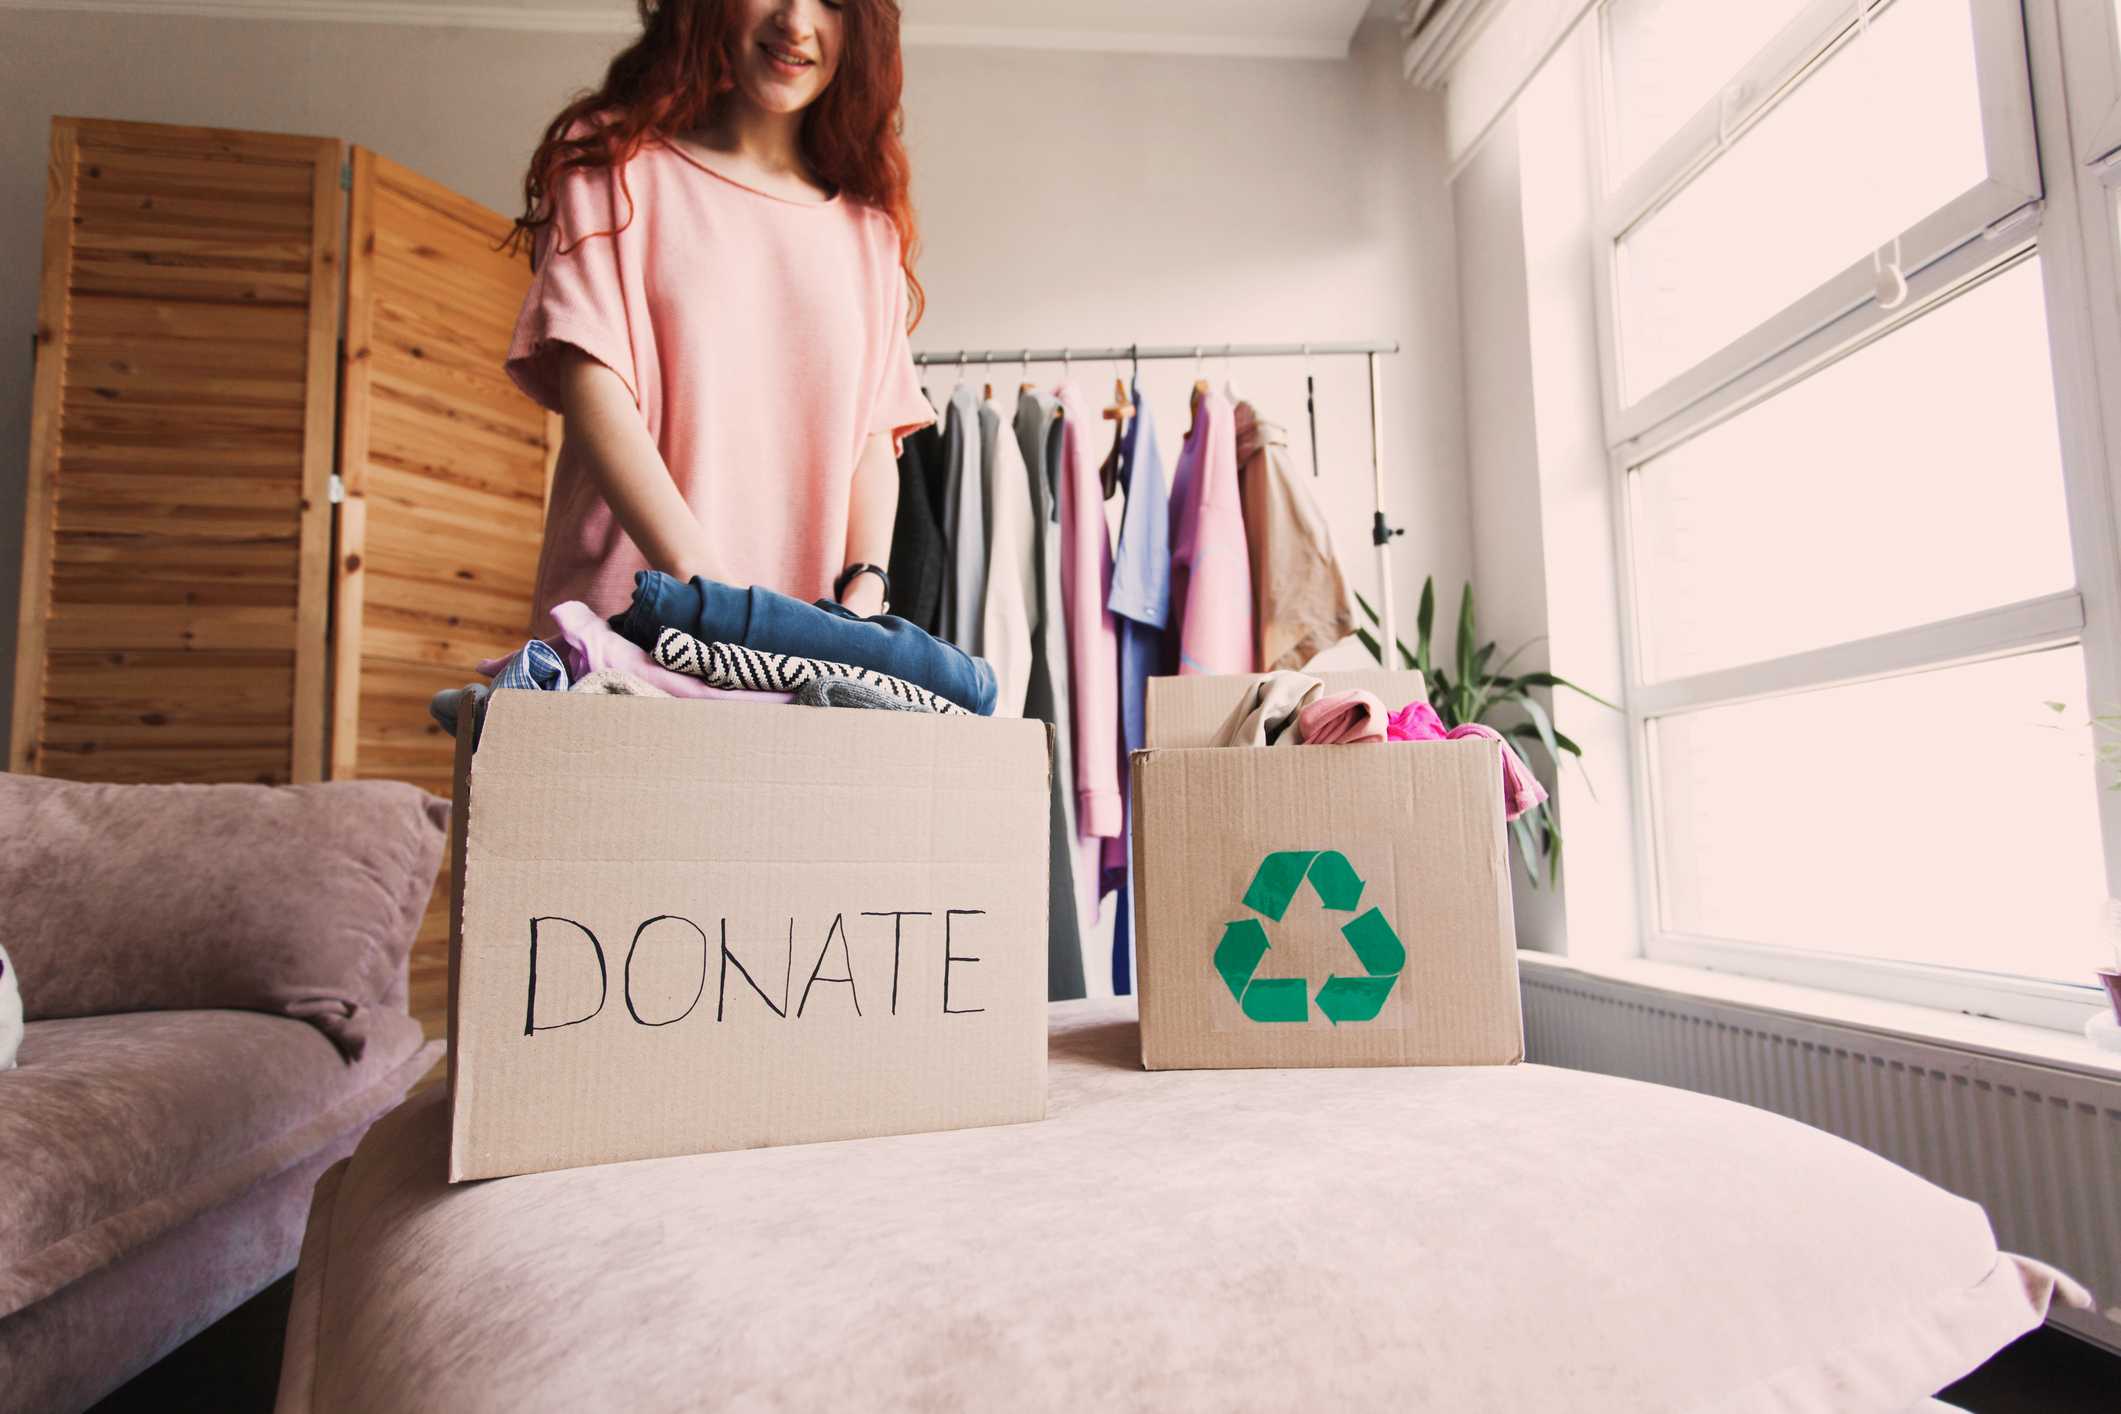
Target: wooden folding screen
[(172, 622), (185, 615), (445, 465)]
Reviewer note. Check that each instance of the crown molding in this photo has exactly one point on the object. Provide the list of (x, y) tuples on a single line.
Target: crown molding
[(1438, 33), (592, 19)]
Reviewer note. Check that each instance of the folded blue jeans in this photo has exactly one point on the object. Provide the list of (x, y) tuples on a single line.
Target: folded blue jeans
[(774, 623)]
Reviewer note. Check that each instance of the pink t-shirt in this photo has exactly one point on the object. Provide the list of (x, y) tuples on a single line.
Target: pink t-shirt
[(764, 339), (1211, 566)]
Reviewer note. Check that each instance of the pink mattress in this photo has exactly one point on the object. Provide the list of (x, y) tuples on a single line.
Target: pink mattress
[(1502, 1238)]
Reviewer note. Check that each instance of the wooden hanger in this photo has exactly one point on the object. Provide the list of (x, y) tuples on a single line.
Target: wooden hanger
[(1122, 407)]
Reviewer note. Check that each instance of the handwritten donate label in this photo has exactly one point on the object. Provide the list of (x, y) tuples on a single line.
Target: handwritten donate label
[(553, 937)]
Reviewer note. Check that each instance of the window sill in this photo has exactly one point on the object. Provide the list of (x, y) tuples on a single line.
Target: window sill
[(1979, 1035)]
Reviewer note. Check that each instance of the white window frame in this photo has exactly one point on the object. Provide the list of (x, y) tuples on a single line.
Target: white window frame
[(1822, 31), (2075, 228), (2097, 85)]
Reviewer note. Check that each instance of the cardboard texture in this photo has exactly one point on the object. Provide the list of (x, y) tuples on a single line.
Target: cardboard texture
[(1319, 906), (693, 926)]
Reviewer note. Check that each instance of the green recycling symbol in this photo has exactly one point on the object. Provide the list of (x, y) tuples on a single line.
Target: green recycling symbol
[(1339, 888)]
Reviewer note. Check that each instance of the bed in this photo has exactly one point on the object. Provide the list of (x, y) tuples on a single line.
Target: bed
[(1471, 1239)]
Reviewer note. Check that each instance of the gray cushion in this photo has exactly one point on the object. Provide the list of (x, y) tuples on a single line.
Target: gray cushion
[(301, 900), (116, 1128)]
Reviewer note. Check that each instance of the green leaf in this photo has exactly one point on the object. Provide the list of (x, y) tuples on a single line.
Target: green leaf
[(1545, 724), (1518, 652), (1465, 633), (1406, 654), (1548, 680), (1424, 619), (1527, 847)]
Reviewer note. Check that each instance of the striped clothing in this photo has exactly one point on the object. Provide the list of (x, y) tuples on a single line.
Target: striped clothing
[(735, 668)]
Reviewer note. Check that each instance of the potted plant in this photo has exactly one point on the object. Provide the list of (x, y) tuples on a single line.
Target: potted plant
[(1474, 687)]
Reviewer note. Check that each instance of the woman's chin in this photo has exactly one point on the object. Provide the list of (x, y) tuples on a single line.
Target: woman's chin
[(779, 96)]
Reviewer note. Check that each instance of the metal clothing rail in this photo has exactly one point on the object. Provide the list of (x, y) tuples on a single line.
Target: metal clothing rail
[(1141, 351), (1381, 531)]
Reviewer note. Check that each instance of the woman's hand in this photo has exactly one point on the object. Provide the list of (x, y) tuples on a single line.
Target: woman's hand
[(628, 468), (872, 509), (865, 596)]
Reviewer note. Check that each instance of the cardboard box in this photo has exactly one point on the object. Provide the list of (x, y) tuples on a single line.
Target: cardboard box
[(1319, 905), (693, 926)]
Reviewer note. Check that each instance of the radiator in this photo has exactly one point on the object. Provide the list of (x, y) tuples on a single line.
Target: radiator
[(2038, 1147)]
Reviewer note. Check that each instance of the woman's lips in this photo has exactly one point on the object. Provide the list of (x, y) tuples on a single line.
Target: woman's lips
[(782, 66)]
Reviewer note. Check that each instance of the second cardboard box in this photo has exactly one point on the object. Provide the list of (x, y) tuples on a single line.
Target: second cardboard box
[(1319, 905)]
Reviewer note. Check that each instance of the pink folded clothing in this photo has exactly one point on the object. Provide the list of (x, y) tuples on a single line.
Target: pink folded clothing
[(1417, 721), (1343, 718), (589, 645)]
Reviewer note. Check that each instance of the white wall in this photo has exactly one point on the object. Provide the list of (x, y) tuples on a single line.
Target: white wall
[(1502, 450), (1064, 198), (1542, 527)]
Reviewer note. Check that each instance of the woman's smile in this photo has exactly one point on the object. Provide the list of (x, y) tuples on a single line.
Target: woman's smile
[(787, 62)]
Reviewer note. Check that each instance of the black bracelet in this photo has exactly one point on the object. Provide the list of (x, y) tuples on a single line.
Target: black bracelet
[(858, 568)]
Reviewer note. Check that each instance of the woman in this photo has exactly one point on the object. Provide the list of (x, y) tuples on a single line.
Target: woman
[(720, 306)]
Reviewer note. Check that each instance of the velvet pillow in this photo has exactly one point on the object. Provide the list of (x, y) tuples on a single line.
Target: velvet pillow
[(300, 900)]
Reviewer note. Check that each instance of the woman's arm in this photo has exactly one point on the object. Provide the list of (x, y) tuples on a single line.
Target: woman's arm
[(628, 468), (870, 517)]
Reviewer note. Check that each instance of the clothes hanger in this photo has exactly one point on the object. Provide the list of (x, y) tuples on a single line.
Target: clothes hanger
[(1311, 409), (1027, 385), (1229, 378), (1200, 382), (1122, 408)]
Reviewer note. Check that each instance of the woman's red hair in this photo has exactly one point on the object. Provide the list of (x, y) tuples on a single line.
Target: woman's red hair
[(667, 80)]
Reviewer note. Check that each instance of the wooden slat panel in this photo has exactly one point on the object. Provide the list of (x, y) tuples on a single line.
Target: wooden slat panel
[(445, 465), (114, 718), (177, 538)]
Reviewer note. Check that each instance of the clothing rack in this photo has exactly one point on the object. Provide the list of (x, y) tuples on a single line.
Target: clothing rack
[(1381, 530)]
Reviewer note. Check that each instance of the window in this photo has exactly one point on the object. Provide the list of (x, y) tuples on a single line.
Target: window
[(1825, 176), (1855, 536), (1669, 57), (1860, 500)]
